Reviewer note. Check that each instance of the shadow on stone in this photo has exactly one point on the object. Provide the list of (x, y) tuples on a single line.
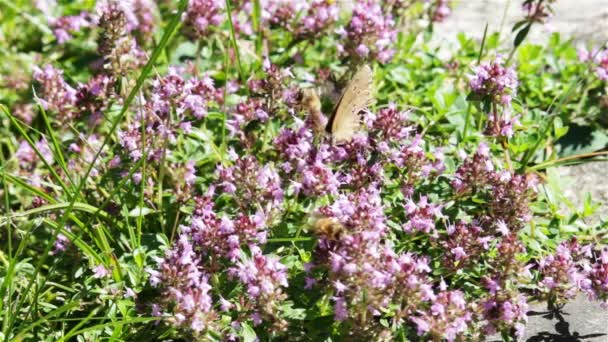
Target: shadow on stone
[(562, 329)]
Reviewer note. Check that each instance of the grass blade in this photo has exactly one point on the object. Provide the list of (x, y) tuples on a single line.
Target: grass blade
[(111, 324), (56, 148), (235, 46), (36, 150), (58, 311)]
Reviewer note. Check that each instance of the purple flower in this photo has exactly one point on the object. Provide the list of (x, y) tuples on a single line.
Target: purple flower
[(190, 173), (538, 10), (441, 10), (252, 183), (60, 244), (201, 16), (320, 15), (340, 309), (502, 125), (596, 58), (421, 216), (63, 27), (116, 44), (494, 81), (370, 33), (100, 271), (57, 95), (447, 317)]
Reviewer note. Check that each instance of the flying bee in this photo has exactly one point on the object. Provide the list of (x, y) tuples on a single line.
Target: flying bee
[(312, 104), (328, 228)]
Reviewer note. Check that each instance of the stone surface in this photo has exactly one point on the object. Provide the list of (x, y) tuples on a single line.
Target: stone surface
[(588, 178), (582, 20), (579, 320)]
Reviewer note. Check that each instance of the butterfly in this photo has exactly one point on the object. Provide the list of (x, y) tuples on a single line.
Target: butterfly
[(345, 121)]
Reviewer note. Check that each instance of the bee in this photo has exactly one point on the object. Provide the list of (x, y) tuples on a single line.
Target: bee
[(328, 228), (312, 103)]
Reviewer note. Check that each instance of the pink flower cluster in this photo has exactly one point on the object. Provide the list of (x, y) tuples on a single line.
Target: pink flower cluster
[(28, 158), (369, 34), (598, 58), (440, 10), (538, 10), (392, 137), (264, 278), (421, 216), (317, 16), (185, 286), (251, 182), (508, 194), (369, 277), (463, 245), (201, 16), (501, 125), (57, 95), (63, 27), (494, 81), (320, 15), (504, 308), (448, 317), (140, 19), (209, 245), (189, 98), (308, 166), (572, 269)]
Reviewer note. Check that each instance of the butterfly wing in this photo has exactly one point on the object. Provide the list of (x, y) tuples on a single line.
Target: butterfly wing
[(345, 121)]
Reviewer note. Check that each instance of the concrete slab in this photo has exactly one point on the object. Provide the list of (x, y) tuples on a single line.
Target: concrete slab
[(588, 178), (582, 20), (579, 320)]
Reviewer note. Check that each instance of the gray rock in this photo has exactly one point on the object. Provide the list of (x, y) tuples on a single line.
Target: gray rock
[(588, 178), (579, 320), (582, 20)]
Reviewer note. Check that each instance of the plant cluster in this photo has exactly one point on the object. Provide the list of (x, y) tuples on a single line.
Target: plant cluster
[(166, 175)]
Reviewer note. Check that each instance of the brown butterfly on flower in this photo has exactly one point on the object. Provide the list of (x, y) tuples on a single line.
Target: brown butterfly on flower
[(345, 120)]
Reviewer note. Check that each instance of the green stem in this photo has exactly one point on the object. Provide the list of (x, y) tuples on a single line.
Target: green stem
[(281, 240), (466, 122), (530, 153), (544, 165), (197, 57), (143, 179), (233, 41)]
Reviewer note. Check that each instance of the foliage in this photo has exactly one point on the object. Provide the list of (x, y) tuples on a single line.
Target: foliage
[(163, 177)]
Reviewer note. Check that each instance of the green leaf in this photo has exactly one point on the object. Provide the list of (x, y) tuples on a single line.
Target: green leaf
[(248, 333), (558, 128), (292, 313), (474, 97), (400, 75), (518, 25), (143, 211), (521, 35), (589, 207)]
